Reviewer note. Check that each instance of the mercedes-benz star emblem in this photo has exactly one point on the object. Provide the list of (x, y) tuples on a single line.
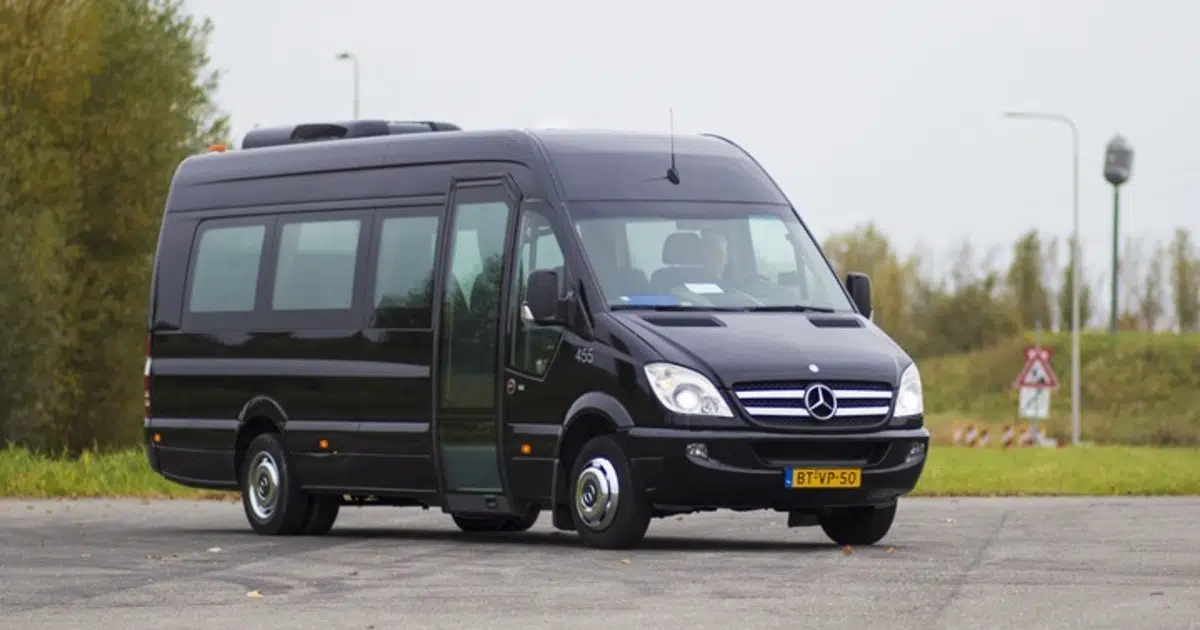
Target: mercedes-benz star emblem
[(821, 402)]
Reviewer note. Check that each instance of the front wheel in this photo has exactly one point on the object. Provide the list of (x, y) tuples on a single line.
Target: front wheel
[(859, 525), (609, 509)]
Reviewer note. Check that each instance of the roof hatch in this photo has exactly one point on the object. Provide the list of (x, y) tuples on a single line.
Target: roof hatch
[(315, 132)]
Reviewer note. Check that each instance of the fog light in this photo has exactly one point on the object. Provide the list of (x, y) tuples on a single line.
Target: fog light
[(915, 452), (697, 451)]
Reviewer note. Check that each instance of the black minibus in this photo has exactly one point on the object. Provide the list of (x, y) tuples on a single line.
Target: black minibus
[(606, 326)]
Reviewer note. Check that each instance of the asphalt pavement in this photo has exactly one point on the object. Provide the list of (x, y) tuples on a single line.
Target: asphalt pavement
[(965, 564)]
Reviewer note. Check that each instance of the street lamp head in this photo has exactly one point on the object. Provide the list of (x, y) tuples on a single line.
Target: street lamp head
[(1030, 115), (343, 56), (1118, 161)]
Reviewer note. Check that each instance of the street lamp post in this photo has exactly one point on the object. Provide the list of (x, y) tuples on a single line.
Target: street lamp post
[(1118, 165), (353, 60), (1074, 259)]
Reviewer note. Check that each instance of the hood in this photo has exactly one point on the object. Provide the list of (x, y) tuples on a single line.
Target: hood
[(740, 347)]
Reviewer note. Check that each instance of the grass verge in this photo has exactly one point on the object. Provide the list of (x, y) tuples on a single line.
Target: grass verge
[(1083, 471), (111, 475), (951, 471)]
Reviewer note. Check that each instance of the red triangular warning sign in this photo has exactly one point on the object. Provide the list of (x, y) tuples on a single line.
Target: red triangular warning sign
[(1037, 372)]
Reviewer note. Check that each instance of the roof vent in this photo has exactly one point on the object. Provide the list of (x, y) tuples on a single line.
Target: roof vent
[(314, 132)]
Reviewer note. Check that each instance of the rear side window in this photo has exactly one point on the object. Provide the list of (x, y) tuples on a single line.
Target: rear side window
[(316, 265), (225, 275), (404, 272)]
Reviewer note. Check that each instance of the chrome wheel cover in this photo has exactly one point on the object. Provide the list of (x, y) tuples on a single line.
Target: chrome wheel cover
[(263, 482), (596, 493)]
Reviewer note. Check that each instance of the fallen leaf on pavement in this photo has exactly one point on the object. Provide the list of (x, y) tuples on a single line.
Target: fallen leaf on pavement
[(847, 550), (626, 561), (254, 594), (214, 550)]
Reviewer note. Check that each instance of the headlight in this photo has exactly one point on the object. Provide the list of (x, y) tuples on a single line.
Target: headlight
[(685, 391), (910, 401)]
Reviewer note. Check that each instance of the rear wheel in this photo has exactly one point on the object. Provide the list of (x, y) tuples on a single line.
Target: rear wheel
[(273, 501), (860, 525), (609, 508), (322, 513)]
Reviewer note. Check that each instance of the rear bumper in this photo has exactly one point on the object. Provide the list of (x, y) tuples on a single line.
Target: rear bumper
[(745, 469)]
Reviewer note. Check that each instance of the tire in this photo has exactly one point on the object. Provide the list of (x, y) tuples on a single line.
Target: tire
[(271, 498), (859, 526), (322, 513), (609, 508), (476, 524), (521, 523)]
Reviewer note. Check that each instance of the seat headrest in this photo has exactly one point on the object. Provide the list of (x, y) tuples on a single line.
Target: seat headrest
[(682, 248)]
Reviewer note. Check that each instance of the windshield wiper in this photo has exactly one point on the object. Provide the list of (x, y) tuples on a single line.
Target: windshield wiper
[(789, 308), (772, 308), (666, 307)]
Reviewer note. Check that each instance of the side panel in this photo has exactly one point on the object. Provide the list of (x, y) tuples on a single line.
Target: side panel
[(349, 374), (394, 432), (309, 353), (195, 398)]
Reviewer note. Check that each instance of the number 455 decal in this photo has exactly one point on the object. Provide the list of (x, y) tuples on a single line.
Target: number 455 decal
[(584, 355)]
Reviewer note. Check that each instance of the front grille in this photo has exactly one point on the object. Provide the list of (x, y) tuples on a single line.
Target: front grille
[(794, 404)]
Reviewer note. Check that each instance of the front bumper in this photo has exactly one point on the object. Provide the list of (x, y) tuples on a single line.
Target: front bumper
[(745, 469)]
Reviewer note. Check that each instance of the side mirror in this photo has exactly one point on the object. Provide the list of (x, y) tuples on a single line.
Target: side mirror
[(542, 302), (859, 286)]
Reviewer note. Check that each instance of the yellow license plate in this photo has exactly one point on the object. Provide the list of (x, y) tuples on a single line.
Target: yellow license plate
[(822, 478)]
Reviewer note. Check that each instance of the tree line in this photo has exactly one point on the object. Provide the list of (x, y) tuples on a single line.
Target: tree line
[(99, 102), (977, 303)]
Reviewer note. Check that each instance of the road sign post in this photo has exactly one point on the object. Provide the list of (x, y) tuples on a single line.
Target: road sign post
[(1035, 382)]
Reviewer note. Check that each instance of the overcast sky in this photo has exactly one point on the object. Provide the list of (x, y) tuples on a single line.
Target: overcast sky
[(861, 109)]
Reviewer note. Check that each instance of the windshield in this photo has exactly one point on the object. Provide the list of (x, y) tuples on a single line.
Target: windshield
[(704, 255)]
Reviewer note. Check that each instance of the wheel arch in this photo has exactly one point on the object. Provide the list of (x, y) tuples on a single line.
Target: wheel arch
[(591, 415), (261, 414)]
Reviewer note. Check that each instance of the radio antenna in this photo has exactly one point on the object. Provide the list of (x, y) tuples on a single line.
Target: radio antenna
[(672, 173)]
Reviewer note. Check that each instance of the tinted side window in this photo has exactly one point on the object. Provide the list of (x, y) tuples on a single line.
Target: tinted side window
[(225, 273), (533, 346), (404, 272), (316, 264)]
